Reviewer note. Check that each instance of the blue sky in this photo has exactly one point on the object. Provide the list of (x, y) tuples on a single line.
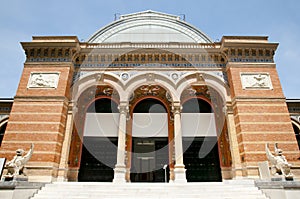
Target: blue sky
[(22, 19)]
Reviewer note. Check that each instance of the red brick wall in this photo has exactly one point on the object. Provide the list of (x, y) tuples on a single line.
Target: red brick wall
[(39, 116), (261, 116)]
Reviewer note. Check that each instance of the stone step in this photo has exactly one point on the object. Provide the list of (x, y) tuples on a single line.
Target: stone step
[(147, 193), (93, 190), (156, 196)]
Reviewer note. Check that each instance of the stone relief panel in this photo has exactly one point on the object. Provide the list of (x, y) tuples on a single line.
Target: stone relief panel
[(43, 80), (256, 81)]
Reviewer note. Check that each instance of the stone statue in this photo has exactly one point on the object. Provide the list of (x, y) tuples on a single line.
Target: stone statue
[(16, 165), (280, 166)]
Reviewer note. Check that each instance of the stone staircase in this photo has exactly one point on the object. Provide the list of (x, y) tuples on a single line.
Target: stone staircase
[(242, 189)]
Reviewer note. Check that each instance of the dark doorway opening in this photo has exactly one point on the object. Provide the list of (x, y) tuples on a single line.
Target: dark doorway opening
[(149, 154), (99, 154), (148, 159), (198, 168), (98, 159)]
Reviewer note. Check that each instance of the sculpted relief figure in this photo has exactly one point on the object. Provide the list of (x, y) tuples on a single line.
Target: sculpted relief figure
[(16, 165), (43, 80), (280, 165)]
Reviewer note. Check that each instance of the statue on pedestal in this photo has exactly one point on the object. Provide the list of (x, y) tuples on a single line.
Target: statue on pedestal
[(280, 165), (15, 166)]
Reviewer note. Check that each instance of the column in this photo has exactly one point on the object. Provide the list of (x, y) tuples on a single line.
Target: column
[(179, 170), (120, 168), (63, 165), (235, 153)]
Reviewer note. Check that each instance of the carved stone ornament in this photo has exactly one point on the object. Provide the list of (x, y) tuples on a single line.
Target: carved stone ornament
[(279, 165), (43, 80), (256, 81), (150, 89), (15, 166), (174, 76), (124, 76)]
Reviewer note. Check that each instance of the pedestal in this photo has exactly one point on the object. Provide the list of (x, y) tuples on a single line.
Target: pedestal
[(120, 174), (179, 173), (16, 178)]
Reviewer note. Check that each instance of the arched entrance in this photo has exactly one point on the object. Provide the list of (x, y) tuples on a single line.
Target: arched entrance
[(200, 139), (99, 148), (149, 141), (297, 133), (3, 125)]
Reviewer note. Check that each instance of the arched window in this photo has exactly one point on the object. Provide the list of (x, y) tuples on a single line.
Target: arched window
[(196, 105), (297, 133), (3, 125)]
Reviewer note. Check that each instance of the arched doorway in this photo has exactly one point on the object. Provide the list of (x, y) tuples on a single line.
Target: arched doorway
[(297, 133), (149, 141), (200, 141), (3, 125), (99, 148)]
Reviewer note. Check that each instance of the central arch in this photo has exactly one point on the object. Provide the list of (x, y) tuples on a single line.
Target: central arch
[(200, 142), (149, 134)]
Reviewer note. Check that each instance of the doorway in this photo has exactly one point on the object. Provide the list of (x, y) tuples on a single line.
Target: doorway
[(99, 144), (150, 151), (149, 157), (200, 142)]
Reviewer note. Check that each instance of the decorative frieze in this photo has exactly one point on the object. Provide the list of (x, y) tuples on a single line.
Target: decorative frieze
[(43, 80), (49, 54), (263, 55), (150, 60), (256, 81), (150, 65)]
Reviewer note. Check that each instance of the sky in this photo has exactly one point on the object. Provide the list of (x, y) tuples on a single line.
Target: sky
[(22, 19)]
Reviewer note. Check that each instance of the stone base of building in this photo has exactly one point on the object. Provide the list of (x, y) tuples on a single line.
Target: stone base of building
[(279, 189), (19, 190)]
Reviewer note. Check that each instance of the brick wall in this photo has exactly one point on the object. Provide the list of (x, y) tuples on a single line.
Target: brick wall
[(38, 116), (261, 116)]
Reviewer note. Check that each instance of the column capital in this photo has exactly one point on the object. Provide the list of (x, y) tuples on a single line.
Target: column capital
[(123, 108), (176, 107), (228, 108)]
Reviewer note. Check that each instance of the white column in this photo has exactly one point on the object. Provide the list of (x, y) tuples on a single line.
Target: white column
[(63, 165), (179, 168), (120, 168)]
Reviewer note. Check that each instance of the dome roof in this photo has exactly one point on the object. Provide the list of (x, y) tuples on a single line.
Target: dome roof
[(149, 26)]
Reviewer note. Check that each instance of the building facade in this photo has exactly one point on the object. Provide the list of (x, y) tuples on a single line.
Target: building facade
[(148, 94)]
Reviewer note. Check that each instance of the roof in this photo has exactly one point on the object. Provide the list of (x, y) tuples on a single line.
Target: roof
[(149, 26)]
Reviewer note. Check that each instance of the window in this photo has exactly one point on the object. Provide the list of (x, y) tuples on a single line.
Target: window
[(297, 133), (2, 130)]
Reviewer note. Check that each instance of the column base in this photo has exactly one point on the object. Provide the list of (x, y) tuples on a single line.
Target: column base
[(119, 174), (62, 179), (62, 175), (179, 174)]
